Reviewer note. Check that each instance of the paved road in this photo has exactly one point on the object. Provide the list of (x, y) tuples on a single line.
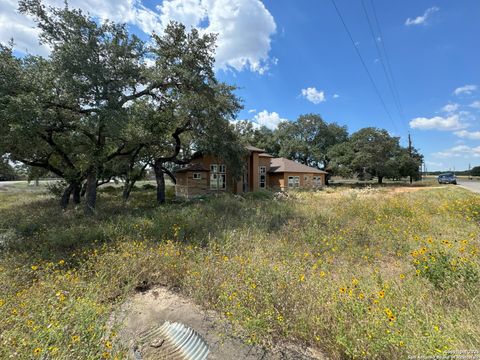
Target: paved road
[(470, 185)]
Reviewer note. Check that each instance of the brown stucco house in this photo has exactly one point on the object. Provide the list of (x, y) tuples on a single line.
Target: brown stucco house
[(208, 174)]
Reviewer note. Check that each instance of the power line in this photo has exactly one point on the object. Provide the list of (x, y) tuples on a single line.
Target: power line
[(389, 67), (364, 64), (385, 71)]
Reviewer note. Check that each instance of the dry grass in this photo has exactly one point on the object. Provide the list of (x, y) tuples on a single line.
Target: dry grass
[(363, 273)]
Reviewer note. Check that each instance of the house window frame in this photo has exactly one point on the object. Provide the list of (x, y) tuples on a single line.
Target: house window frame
[(262, 177), (197, 176), (217, 172), (317, 181), (295, 183)]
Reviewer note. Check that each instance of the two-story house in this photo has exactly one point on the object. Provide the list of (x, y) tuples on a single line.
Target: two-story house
[(207, 174)]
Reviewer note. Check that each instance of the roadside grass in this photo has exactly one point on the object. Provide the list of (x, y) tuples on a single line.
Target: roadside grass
[(356, 273)]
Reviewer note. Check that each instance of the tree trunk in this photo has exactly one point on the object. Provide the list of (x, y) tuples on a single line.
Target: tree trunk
[(91, 192), (411, 179), (127, 189), (380, 179), (76, 193), (65, 199), (83, 190), (160, 178)]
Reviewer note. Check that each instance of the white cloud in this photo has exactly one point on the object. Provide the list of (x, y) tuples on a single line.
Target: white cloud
[(313, 95), (459, 151), (449, 123), (252, 111), (422, 20), (475, 104), (270, 120), (472, 135), (25, 34), (336, 96), (450, 108), (466, 89), (20, 28), (244, 27)]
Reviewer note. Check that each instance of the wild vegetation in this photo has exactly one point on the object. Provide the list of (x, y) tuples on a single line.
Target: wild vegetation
[(357, 273)]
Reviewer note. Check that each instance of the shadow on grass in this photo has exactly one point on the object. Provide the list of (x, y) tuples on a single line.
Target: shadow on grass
[(40, 229)]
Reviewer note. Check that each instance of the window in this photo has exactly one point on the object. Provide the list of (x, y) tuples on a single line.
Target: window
[(218, 177), (197, 176), (294, 181), (262, 176), (317, 181)]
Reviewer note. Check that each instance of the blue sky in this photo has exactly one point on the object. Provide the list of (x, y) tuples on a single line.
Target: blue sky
[(294, 57)]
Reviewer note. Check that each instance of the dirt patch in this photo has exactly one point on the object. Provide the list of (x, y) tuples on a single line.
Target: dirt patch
[(147, 311)]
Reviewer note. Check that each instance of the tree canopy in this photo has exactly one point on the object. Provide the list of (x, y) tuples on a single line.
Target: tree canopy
[(105, 103)]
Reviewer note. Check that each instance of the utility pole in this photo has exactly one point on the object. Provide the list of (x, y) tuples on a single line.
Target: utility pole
[(410, 152), (469, 172)]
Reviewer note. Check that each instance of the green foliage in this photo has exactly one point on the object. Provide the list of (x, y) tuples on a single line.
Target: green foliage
[(56, 188), (444, 270), (308, 139), (373, 152), (475, 171)]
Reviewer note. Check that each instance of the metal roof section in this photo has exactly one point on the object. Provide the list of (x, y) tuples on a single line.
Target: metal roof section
[(174, 341), (282, 165), (265, 155)]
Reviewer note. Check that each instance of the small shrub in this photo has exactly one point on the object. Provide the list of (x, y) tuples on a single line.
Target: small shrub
[(444, 270), (109, 189), (260, 195), (148, 187), (56, 188)]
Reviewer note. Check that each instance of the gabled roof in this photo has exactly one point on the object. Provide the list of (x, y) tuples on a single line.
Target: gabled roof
[(192, 167), (253, 148), (265, 155), (281, 165)]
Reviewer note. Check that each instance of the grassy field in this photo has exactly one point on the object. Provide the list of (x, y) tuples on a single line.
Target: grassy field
[(357, 273)]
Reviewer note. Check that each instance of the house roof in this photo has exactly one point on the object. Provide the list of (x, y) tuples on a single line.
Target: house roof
[(281, 165), (253, 148), (265, 155), (192, 167)]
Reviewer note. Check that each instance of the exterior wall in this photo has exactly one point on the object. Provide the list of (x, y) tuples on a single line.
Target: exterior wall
[(280, 181), (276, 181), (206, 161), (263, 161), (188, 187), (253, 171)]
